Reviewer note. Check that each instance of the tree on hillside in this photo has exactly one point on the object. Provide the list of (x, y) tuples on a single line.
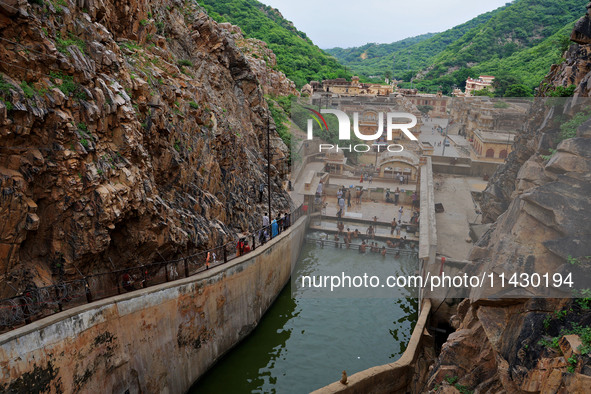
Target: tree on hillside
[(484, 92), (460, 77), (502, 82), (518, 90), (424, 109)]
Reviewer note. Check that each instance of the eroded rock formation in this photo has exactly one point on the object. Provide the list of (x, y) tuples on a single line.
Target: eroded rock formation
[(129, 132), (540, 208), (263, 63)]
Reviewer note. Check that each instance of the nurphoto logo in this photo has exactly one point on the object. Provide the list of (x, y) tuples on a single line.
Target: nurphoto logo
[(345, 130)]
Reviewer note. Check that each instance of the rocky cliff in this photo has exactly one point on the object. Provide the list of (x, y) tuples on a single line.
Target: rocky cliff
[(130, 132), (263, 63), (540, 208)]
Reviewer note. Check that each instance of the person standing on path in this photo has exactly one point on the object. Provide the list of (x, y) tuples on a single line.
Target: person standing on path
[(393, 226), (274, 229), (342, 204), (348, 198), (319, 189), (400, 211), (415, 200)]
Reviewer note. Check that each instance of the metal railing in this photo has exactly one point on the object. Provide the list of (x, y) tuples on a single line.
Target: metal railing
[(396, 251), (36, 303)]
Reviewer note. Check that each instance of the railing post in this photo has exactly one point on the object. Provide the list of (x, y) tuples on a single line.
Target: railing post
[(88, 293), (254, 242), (145, 275), (225, 254), (57, 297), (118, 284)]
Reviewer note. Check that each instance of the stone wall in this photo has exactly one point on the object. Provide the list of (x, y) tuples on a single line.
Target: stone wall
[(155, 340), (463, 166)]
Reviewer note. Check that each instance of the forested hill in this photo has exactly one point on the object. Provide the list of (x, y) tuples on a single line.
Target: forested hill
[(375, 59), (403, 56), (297, 56), (518, 42)]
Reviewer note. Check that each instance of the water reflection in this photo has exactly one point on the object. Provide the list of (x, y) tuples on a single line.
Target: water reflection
[(304, 343)]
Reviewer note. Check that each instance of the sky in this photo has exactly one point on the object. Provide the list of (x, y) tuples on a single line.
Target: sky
[(349, 23)]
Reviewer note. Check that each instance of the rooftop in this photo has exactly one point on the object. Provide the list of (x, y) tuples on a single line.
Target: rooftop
[(494, 136)]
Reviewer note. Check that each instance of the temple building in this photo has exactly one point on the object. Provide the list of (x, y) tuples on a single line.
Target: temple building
[(438, 102), (342, 87), (483, 82), (489, 125), (491, 146)]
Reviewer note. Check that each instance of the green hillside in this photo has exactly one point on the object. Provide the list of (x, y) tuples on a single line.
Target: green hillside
[(518, 42), (374, 59), (400, 58), (297, 56)]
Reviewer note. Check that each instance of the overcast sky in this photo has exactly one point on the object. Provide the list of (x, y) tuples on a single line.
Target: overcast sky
[(348, 23)]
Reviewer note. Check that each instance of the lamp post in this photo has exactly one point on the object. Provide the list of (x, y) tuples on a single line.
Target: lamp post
[(320, 102), (445, 139), (269, 160)]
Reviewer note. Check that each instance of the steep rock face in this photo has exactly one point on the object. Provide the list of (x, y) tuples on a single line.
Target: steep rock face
[(129, 132), (497, 195), (497, 343), (540, 208), (263, 63), (574, 70), (497, 348)]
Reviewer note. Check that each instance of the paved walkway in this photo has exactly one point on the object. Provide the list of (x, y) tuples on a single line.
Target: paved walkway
[(368, 209), (376, 183), (434, 137), (454, 192)]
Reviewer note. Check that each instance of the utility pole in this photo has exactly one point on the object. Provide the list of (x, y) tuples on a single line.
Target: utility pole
[(445, 139), (269, 160)]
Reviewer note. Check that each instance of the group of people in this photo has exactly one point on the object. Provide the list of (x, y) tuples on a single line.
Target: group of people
[(366, 176), (273, 228), (396, 196), (373, 248), (343, 195), (348, 236), (395, 226), (403, 179), (242, 246)]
